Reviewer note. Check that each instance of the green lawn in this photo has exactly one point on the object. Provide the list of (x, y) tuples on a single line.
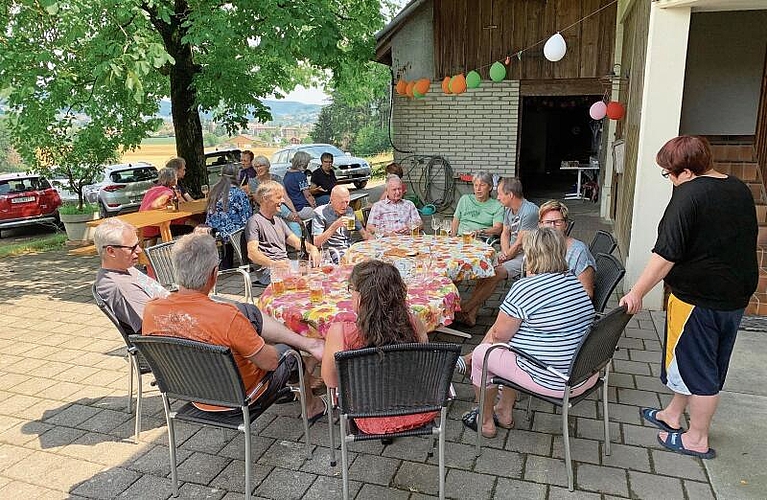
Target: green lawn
[(41, 244)]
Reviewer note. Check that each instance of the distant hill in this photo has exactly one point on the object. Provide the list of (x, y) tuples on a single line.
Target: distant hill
[(285, 112)]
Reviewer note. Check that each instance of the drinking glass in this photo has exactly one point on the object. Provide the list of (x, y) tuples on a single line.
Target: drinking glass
[(205, 190), (436, 224), (414, 229), (327, 265), (446, 224), (315, 291), (278, 281)]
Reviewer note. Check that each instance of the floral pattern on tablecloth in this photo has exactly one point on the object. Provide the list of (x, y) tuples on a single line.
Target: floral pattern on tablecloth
[(432, 298), (450, 256)]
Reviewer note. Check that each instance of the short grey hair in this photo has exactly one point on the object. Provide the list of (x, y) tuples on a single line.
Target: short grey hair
[(266, 188), (111, 232), (262, 160), (511, 185), (300, 160), (194, 257), (392, 178), (483, 177), (166, 177)]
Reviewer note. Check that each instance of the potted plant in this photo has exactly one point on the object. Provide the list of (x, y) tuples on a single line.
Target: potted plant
[(75, 219)]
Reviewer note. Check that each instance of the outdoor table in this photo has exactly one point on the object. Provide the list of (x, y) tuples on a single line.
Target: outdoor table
[(450, 256), (432, 299)]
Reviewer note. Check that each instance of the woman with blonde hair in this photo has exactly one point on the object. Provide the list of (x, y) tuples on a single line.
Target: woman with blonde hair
[(545, 314)]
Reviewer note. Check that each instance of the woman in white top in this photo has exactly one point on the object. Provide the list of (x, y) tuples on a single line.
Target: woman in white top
[(545, 314)]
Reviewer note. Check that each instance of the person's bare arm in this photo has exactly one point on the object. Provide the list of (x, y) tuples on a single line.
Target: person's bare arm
[(257, 257), (266, 358), (160, 202), (504, 328), (320, 239), (333, 344), (516, 247), (454, 226), (492, 231), (655, 270), (365, 234), (309, 198), (587, 280)]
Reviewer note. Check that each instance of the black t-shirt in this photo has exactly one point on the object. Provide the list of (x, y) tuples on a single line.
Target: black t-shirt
[(709, 231), (323, 180)]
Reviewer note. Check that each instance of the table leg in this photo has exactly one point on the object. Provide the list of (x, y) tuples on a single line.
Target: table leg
[(165, 234)]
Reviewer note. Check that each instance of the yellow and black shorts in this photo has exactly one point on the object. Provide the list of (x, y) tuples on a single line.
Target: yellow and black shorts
[(698, 346)]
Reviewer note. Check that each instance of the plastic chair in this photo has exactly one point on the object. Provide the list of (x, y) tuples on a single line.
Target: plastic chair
[(160, 259), (136, 363), (608, 274), (194, 371), (592, 356), (393, 380), (162, 265), (603, 242)]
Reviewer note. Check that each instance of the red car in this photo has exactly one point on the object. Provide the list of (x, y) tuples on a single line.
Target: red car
[(27, 199)]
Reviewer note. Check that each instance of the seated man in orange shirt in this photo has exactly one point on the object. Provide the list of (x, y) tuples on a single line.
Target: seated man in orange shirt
[(191, 314)]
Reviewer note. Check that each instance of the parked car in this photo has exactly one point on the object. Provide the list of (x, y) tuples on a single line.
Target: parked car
[(349, 169), (122, 187), (27, 199), (215, 160), (66, 194)]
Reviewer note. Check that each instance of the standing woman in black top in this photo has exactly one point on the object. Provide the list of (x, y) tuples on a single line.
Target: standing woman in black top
[(706, 252)]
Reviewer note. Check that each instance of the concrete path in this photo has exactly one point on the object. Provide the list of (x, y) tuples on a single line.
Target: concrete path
[(65, 431)]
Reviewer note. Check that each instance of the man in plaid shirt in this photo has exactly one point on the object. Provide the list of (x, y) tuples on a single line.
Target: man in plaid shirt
[(393, 214)]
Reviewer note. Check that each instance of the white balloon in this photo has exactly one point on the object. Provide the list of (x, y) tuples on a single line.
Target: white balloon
[(555, 48)]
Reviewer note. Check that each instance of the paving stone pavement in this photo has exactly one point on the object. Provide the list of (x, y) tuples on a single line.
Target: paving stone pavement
[(65, 431)]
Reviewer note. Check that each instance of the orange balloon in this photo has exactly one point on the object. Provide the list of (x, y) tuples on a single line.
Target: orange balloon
[(458, 84), (409, 89), (401, 87), (446, 85), (422, 86)]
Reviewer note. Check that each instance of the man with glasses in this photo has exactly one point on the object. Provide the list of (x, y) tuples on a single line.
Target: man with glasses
[(126, 290), (323, 180), (520, 216)]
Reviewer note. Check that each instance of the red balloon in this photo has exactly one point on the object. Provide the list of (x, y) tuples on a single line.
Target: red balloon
[(615, 110)]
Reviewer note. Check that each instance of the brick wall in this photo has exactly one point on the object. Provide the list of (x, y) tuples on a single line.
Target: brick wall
[(476, 130)]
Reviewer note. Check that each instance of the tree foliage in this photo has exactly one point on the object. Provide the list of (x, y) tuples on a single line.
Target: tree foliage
[(93, 70), (358, 118)]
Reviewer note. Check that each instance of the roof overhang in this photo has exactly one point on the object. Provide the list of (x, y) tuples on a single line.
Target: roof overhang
[(384, 37), (713, 5)]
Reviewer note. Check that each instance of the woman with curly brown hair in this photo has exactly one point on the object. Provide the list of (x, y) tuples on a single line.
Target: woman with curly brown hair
[(379, 299)]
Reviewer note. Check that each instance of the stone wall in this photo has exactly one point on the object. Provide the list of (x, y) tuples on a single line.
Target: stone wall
[(476, 130)]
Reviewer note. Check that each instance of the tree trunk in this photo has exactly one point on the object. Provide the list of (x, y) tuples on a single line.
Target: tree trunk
[(183, 96), (186, 121)]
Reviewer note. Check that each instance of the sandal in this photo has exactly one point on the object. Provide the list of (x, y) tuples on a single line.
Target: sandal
[(470, 418), (321, 414)]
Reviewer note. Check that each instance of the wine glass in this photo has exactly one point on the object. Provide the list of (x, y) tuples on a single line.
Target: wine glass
[(205, 190), (446, 224), (436, 223)]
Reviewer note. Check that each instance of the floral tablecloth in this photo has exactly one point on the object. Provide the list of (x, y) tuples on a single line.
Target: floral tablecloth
[(450, 256), (433, 299)]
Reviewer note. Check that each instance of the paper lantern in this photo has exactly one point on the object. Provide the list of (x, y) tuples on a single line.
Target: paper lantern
[(421, 87), (446, 85), (473, 79), (409, 89), (615, 110), (497, 72), (401, 87), (555, 48), (458, 84), (598, 110)]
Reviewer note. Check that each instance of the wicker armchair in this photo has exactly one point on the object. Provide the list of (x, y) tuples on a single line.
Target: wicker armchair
[(391, 381), (136, 363), (592, 356), (187, 370), (603, 242), (609, 273)]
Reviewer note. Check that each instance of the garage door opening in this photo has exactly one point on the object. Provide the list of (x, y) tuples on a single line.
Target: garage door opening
[(555, 129)]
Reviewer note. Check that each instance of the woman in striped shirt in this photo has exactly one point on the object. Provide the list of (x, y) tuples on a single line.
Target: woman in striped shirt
[(545, 314)]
